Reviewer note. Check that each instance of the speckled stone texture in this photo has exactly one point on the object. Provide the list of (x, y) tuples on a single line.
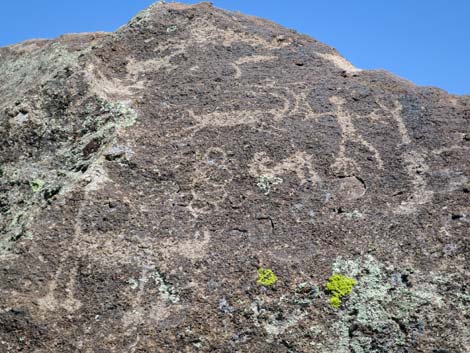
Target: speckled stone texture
[(147, 175)]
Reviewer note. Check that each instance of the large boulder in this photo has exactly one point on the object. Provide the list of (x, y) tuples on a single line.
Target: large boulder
[(192, 181)]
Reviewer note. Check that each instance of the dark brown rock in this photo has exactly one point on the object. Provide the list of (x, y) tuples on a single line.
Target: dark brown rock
[(146, 175)]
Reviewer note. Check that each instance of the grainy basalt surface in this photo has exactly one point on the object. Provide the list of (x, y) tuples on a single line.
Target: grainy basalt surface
[(147, 175)]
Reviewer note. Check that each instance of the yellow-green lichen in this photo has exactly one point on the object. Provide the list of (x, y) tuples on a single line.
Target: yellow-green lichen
[(339, 285), (266, 277)]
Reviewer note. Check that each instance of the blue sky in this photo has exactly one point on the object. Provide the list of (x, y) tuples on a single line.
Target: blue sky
[(425, 41)]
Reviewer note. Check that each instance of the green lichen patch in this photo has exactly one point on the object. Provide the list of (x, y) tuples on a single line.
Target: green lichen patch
[(134, 284), (125, 116), (305, 294), (340, 286), (15, 230), (266, 277), (167, 291), (37, 185), (22, 72), (276, 324), (382, 310), (266, 182), (92, 121), (354, 215), (171, 29)]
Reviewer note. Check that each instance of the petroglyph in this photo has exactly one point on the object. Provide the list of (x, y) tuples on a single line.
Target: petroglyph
[(344, 165), (109, 88), (209, 180), (451, 149), (203, 32), (250, 152), (124, 89), (293, 102), (414, 161), (396, 113), (171, 49), (95, 178), (192, 249), (233, 118), (351, 188), (339, 62), (50, 302), (135, 68), (238, 72), (140, 311), (416, 167), (241, 117), (299, 163), (255, 59), (247, 60), (302, 106), (71, 303)]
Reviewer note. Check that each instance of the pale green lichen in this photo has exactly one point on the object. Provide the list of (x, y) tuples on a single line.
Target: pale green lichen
[(266, 182), (274, 326), (27, 70), (134, 284), (266, 277), (16, 220), (275, 320), (378, 306), (17, 226), (354, 215), (103, 123), (171, 29), (305, 294), (39, 77), (143, 18), (125, 115), (37, 185), (166, 290)]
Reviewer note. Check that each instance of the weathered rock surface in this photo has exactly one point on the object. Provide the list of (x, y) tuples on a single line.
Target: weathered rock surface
[(146, 175)]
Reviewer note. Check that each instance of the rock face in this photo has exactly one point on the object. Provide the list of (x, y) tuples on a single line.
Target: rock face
[(191, 182)]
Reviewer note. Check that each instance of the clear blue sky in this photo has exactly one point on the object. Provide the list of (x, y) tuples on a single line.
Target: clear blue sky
[(425, 41)]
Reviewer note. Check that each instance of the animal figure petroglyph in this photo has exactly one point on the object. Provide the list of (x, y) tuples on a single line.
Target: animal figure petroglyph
[(300, 163), (344, 165)]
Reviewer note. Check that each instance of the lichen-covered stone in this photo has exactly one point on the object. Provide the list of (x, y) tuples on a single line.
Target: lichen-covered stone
[(147, 175)]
